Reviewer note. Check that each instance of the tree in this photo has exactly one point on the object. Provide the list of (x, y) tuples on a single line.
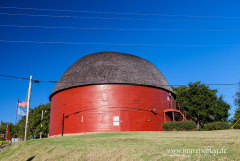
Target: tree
[(202, 103), (237, 111), (20, 126), (237, 96), (221, 110), (34, 123), (2, 129), (236, 118)]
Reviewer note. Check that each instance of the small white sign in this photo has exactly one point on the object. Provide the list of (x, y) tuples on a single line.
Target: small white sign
[(115, 118), (115, 123)]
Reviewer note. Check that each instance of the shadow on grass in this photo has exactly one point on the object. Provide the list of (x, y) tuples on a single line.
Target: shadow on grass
[(29, 159)]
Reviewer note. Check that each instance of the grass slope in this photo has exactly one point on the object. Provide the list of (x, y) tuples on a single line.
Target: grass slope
[(129, 146)]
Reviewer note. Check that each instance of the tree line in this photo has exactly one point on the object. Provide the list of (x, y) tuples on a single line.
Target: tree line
[(34, 123)]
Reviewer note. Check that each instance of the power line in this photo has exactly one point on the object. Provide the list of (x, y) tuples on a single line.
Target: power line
[(78, 43), (228, 89), (37, 81), (5, 79), (104, 18), (141, 14), (14, 77), (20, 78), (79, 28)]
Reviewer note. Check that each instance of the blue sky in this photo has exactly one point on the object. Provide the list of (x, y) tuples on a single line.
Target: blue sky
[(199, 41)]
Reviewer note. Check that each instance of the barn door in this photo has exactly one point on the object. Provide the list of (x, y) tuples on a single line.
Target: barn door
[(125, 120)]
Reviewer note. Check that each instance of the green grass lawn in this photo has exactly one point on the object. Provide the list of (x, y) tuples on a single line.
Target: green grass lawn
[(131, 146)]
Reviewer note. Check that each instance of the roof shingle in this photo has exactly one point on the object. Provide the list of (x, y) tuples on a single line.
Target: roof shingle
[(111, 68)]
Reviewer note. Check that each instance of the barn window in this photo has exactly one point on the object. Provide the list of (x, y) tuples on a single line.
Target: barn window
[(147, 118), (101, 117), (105, 96), (79, 118)]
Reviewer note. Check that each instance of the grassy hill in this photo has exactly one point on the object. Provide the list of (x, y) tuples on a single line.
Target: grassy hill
[(131, 146)]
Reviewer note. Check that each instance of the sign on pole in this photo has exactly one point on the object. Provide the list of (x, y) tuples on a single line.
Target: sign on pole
[(7, 133)]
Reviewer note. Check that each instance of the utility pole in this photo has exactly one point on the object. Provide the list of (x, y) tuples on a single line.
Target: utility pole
[(28, 104), (41, 126)]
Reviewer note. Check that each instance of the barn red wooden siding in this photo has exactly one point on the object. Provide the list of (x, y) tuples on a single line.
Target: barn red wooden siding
[(100, 108)]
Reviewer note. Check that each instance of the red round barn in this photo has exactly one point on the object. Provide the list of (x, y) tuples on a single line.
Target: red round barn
[(110, 91)]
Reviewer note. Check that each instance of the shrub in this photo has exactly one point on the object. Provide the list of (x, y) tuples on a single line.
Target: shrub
[(216, 126), (1, 139), (3, 142), (169, 126), (185, 125), (179, 126)]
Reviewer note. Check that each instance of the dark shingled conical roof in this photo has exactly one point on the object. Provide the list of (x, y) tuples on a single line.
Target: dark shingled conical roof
[(111, 68)]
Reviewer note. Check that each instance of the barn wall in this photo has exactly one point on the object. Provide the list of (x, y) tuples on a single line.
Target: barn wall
[(93, 109)]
